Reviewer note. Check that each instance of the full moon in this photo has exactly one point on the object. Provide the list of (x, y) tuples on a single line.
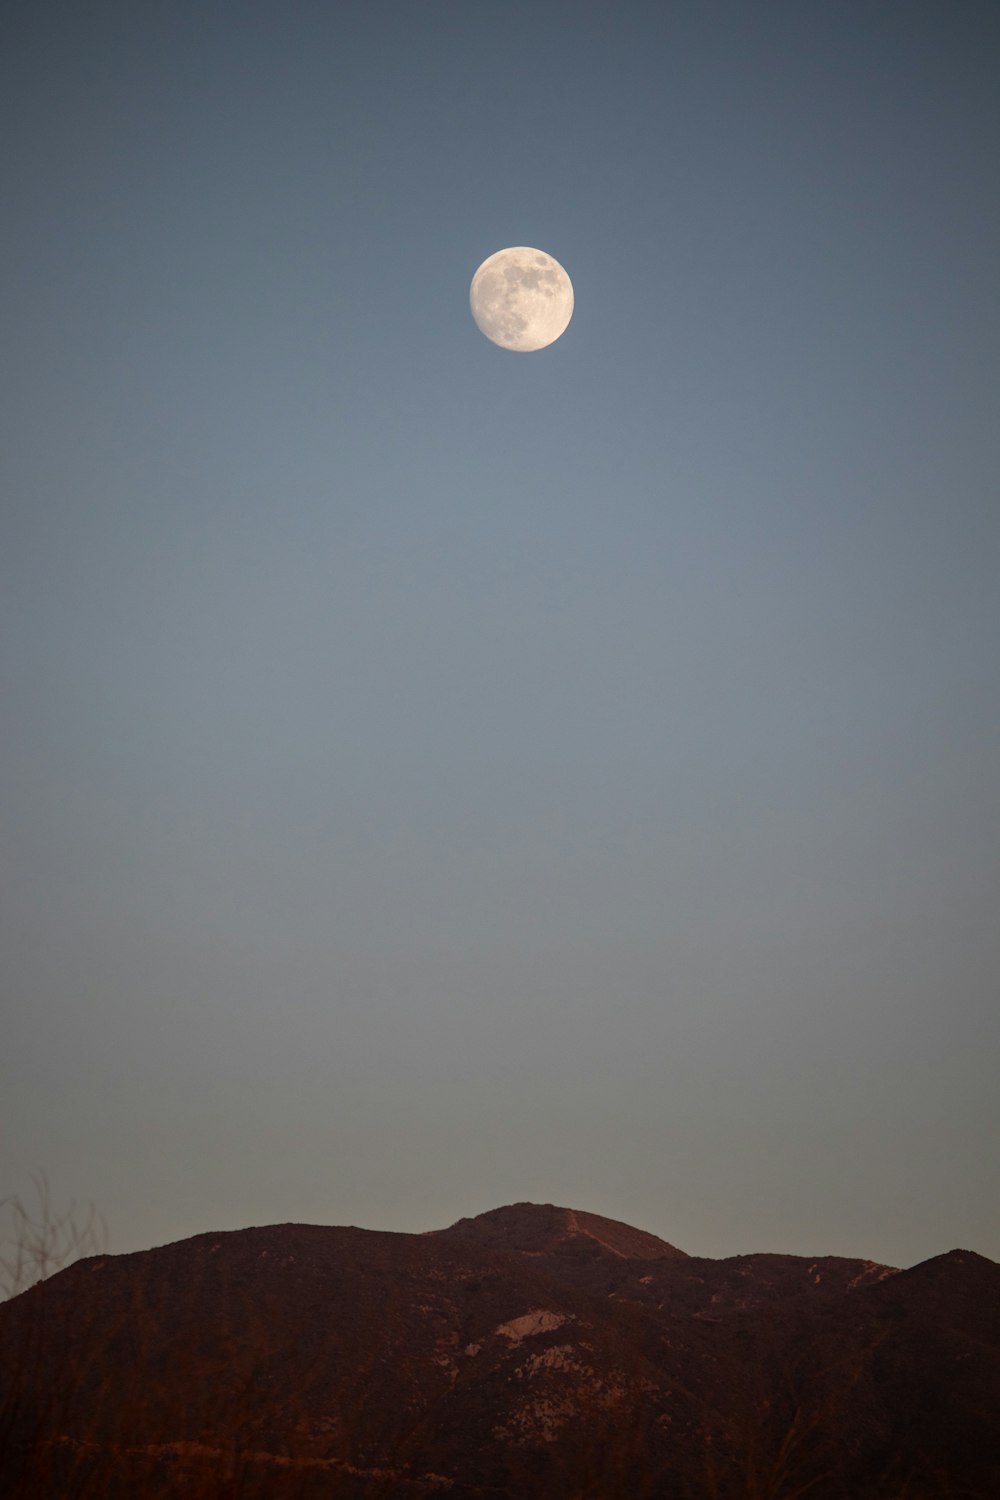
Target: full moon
[(521, 298)]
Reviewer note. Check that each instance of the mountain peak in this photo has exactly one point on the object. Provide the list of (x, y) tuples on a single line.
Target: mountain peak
[(545, 1228)]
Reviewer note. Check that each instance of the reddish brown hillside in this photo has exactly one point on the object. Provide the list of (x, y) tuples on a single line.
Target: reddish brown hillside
[(534, 1353), (542, 1228)]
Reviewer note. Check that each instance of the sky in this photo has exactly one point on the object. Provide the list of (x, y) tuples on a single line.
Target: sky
[(436, 777)]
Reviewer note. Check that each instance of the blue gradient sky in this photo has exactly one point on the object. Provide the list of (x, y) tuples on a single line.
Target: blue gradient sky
[(435, 777)]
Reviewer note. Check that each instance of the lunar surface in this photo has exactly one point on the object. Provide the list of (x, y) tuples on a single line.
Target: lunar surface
[(521, 298)]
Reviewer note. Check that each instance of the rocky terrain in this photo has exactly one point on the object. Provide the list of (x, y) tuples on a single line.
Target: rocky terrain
[(531, 1351)]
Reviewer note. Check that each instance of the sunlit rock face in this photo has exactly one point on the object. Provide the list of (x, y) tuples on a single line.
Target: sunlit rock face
[(532, 1351)]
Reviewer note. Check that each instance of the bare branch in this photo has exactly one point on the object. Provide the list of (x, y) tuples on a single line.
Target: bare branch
[(39, 1240)]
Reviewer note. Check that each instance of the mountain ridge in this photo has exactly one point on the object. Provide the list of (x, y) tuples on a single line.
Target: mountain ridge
[(528, 1351)]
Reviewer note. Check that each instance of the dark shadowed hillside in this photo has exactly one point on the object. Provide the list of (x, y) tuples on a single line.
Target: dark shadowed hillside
[(532, 1351)]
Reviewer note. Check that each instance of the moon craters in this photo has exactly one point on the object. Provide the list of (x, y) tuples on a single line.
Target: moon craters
[(521, 299)]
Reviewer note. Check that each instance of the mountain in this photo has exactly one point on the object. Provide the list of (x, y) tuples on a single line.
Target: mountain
[(532, 1351), (541, 1229)]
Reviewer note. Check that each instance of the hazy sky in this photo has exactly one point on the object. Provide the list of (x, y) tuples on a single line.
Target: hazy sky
[(435, 777)]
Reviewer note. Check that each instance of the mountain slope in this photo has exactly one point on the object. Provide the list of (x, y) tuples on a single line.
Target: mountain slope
[(532, 1351)]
